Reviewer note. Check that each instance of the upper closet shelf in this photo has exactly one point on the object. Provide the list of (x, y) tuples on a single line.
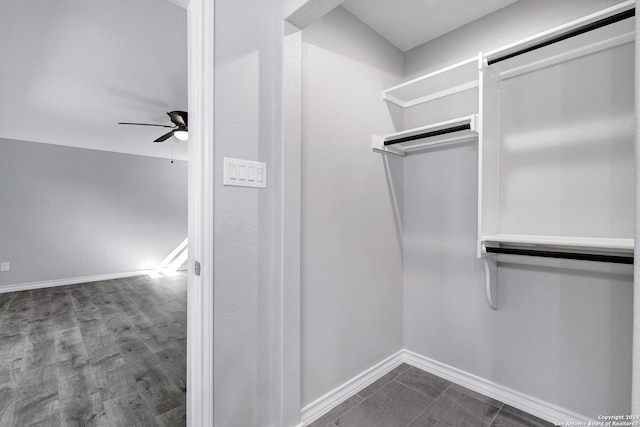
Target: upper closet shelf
[(585, 243), (456, 78), (425, 136), (605, 29)]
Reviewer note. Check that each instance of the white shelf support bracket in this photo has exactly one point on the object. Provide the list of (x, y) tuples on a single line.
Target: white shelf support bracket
[(490, 277), (377, 145)]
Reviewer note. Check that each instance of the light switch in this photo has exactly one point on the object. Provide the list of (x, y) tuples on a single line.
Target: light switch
[(4, 266), (244, 173)]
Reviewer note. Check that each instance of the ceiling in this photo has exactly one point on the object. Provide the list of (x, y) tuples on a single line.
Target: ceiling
[(410, 23), (72, 69)]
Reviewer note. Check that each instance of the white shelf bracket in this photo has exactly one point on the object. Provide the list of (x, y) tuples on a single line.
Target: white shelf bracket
[(490, 277)]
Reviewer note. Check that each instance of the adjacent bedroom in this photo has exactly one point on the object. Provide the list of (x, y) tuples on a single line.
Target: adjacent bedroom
[(93, 201)]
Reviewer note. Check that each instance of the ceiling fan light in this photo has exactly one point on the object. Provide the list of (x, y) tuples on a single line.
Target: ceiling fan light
[(182, 135)]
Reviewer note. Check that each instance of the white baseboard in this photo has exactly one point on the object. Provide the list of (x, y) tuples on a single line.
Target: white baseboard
[(321, 406), (69, 281), (532, 405)]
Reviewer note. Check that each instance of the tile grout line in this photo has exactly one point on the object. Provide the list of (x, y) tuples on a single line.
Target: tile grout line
[(365, 398), (418, 391), (346, 412)]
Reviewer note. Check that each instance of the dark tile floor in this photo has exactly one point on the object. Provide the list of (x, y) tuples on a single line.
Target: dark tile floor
[(110, 353), (410, 397)]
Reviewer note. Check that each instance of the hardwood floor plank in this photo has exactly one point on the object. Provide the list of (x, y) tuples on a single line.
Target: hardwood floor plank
[(80, 399), (149, 333), (173, 360), (75, 379), (39, 354), (64, 320), (113, 378), (156, 388), (61, 302), (129, 410), (176, 334), (9, 381), (12, 343), (101, 348), (40, 330), (133, 350), (120, 326), (83, 411), (67, 351), (37, 398), (174, 418)]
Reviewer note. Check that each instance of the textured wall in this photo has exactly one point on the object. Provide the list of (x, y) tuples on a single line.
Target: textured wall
[(247, 61), (71, 212), (351, 199)]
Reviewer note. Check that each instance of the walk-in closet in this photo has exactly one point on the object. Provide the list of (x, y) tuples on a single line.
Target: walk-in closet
[(467, 209)]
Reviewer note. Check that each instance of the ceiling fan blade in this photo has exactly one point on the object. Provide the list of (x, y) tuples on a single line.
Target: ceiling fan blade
[(180, 118), (164, 137), (146, 124)]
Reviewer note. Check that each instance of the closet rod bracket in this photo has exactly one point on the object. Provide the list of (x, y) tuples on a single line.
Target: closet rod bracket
[(490, 277)]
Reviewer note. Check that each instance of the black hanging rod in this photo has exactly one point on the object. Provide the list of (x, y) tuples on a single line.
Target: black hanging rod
[(575, 32), (428, 134), (565, 255)]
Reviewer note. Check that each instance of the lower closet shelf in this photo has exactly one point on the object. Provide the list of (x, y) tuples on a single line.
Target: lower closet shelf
[(617, 251), (582, 243)]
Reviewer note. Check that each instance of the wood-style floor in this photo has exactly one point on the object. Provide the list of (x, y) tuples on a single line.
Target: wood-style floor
[(110, 353)]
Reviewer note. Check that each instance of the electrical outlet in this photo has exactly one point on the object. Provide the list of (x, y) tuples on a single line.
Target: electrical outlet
[(4, 266)]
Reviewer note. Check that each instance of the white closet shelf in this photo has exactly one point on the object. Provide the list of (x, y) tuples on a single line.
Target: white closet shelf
[(566, 42), (446, 81), (605, 244), (400, 143)]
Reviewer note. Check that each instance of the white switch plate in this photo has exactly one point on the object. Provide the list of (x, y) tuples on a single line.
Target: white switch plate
[(4, 266), (245, 173)]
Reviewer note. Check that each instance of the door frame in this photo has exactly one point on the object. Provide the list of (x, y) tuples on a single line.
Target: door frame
[(200, 338)]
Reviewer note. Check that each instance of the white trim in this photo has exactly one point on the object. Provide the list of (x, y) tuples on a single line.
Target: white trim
[(310, 11), (532, 405), (559, 30), (287, 335), (440, 82), (182, 3), (321, 406), (602, 243), (442, 93), (200, 332), (70, 281)]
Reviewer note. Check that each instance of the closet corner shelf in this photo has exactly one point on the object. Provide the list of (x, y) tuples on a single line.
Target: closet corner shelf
[(446, 81), (602, 30), (400, 143), (585, 243)]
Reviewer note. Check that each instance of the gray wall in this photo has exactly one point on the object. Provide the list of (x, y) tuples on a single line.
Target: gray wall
[(563, 329), (351, 205), (71, 212), (247, 125)]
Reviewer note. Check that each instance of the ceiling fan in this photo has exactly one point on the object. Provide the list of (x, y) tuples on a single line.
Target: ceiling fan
[(179, 129)]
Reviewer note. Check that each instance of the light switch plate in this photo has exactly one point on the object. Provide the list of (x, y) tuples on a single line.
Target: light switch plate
[(245, 173), (4, 266)]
